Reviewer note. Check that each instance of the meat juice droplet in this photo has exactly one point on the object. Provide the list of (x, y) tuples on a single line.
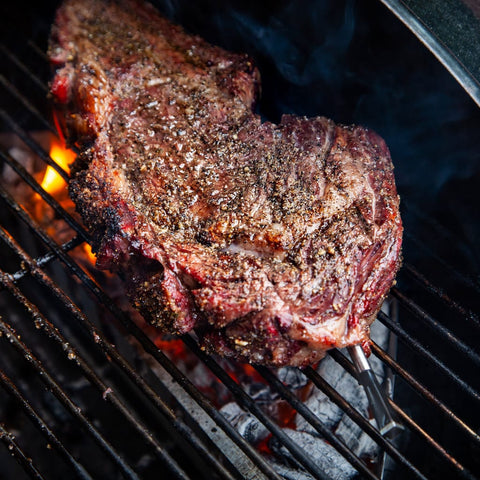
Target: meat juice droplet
[(60, 89)]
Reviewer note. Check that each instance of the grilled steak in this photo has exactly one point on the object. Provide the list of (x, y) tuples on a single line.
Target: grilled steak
[(273, 242)]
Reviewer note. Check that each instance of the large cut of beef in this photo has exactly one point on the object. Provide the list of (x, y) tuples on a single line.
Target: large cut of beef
[(274, 243)]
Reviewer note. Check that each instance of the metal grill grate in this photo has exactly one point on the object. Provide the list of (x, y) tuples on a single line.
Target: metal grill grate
[(80, 398)]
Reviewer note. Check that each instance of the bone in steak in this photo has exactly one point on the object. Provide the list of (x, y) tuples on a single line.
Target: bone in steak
[(273, 242)]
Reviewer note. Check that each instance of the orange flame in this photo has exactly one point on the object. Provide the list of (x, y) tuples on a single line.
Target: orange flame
[(89, 254), (52, 182)]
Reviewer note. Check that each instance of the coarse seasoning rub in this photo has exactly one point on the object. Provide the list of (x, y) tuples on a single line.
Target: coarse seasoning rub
[(273, 242)]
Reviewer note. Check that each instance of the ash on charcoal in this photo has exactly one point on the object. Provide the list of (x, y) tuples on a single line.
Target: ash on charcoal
[(325, 456), (246, 424), (292, 377)]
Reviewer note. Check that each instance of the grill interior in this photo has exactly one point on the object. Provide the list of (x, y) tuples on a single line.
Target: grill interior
[(87, 393)]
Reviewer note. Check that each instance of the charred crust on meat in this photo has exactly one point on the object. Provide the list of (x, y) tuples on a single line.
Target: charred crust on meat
[(274, 242)]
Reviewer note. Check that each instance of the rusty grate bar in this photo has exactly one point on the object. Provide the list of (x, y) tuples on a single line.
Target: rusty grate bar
[(9, 441), (10, 335), (425, 354), (42, 427)]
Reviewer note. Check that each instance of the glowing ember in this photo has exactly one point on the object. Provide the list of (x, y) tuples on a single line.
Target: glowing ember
[(52, 182)]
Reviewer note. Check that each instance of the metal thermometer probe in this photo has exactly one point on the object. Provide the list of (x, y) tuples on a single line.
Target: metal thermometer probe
[(377, 400)]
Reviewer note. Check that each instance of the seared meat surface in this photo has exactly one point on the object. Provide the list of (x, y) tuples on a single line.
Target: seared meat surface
[(273, 242)]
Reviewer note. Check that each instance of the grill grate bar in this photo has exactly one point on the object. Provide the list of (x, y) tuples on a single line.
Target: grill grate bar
[(89, 373), (441, 294), (452, 270), (406, 420), (436, 326), (424, 353), (111, 352), (287, 395), (34, 146), (49, 256), (45, 195), (146, 343), (249, 404), (446, 233), (27, 104), (20, 65), (362, 422), (439, 450), (12, 390), (425, 393), (26, 462), (38, 51), (65, 399)]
